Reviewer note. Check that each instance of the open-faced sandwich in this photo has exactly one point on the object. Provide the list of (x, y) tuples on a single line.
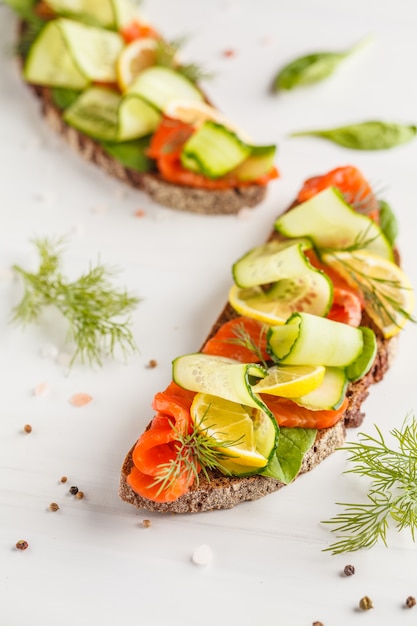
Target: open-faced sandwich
[(310, 324), (113, 87)]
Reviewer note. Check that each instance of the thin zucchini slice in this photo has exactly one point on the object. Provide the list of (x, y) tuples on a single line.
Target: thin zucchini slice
[(332, 224), (313, 340), (218, 376), (70, 54), (214, 150), (158, 85)]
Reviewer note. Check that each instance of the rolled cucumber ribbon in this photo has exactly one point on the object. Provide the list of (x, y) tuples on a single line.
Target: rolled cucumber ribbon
[(307, 339)]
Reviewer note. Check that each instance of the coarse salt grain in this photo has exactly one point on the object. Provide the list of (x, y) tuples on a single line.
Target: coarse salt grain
[(202, 555), (80, 399), (41, 390)]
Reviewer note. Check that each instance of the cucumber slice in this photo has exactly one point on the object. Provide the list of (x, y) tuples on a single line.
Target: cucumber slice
[(331, 223), (97, 11), (95, 113), (104, 114), (136, 118), (107, 13), (69, 54), (218, 376), (50, 63), (124, 11), (365, 360), (159, 85), (307, 339), (258, 164), (331, 393), (271, 262), (213, 150)]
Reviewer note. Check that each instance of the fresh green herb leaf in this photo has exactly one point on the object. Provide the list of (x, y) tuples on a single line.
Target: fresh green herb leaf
[(244, 339), (195, 451), (131, 154), (388, 221), (94, 309), (312, 68), (392, 496), (293, 443), (372, 135), (167, 56), (63, 97)]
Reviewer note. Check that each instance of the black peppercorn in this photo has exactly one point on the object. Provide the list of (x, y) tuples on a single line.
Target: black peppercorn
[(349, 570), (73, 490)]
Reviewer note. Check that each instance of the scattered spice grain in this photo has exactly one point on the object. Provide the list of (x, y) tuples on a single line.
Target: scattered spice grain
[(54, 507), (22, 544), (27, 428), (410, 602), (349, 570), (229, 53), (140, 213), (73, 490), (318, 624), (146, 523), (64, 479), (365, 603), (79, 495), (152, 363)]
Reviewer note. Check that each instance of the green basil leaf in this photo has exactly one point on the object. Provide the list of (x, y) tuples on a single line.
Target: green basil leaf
[(131, 154), (388, 221), (312, 68), (293, 443), (308, 70), (63, 98), (372, 135)]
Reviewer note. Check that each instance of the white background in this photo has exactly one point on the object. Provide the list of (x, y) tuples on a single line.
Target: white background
[(92, 562)]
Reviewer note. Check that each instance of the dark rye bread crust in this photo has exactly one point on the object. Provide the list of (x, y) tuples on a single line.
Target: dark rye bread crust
[(222, 492), (182, 198)]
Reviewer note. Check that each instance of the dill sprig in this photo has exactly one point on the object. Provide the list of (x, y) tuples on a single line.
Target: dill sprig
[(167, 55), (392, 496), (195, 451), (94, 309), (379, 293), (244, 339)]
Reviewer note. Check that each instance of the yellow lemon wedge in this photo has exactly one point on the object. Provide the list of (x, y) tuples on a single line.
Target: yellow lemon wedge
[(133, 59), (388, 294), (230, 426), (291, 381)]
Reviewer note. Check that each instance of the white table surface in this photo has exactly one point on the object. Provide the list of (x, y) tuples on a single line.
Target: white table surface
[(92, 562)]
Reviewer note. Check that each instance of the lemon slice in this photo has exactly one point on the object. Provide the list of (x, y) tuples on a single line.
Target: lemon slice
[(133, 59), (277, 304), (235, 430), (291, 381), (388, 295)]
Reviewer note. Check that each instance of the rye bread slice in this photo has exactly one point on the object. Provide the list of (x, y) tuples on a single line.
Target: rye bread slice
[(180, 197), (222, 492)]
